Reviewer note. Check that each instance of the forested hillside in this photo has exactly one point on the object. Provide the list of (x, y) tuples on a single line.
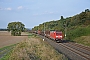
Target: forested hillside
[(75, 26)]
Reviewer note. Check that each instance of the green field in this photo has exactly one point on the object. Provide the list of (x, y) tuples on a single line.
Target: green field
[(6, 51)]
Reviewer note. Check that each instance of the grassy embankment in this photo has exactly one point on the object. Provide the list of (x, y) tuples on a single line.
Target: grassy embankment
[(80, 34), (35, 49)]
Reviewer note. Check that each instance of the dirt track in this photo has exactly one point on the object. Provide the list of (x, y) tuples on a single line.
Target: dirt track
[(6, 39)]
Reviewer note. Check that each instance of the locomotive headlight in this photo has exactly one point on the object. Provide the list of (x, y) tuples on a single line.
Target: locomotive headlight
[(56, 36), (61, 36)]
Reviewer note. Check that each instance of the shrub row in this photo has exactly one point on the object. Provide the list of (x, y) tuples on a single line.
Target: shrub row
[(78, 32)]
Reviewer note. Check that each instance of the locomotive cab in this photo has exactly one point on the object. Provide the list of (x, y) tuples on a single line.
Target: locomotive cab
[(57, 36)]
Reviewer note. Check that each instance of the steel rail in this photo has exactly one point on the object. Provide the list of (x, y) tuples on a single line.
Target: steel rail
[(86, 56)]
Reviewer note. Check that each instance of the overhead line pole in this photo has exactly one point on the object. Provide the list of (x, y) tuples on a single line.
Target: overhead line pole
[(44, 32), (66, 30)]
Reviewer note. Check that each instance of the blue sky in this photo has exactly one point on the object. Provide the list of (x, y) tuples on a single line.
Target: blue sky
[(34, 12)]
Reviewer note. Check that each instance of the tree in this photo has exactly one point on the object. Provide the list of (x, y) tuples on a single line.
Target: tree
[(16, 28), (62, 18), (87, 10)]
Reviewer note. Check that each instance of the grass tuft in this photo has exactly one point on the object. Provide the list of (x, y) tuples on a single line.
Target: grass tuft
[(85, 40)]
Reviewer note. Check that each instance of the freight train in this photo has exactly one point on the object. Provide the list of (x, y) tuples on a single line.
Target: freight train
[(55, 35)]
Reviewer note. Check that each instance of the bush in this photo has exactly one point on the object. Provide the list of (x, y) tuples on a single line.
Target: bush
[(80, 31)]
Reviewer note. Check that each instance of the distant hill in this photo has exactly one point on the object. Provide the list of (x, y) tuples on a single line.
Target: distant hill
[(74, 26)]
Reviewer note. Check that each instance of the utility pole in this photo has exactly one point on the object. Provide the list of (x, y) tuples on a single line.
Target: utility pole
[(49, 27), (44, 32), (65, 29)]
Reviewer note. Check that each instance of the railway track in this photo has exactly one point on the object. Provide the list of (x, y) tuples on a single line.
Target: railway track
[(73, 51), (77, 49)]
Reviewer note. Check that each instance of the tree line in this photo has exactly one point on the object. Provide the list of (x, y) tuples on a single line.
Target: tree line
[(2, 29), (80, 19), (67, 24)]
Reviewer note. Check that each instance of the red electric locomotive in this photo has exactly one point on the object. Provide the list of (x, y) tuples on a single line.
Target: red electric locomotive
[(57, 36)]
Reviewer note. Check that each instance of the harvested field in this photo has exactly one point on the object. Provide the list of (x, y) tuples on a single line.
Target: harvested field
[(6, 39)]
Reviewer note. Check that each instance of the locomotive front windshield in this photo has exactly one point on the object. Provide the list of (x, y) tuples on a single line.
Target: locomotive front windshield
[(58, 33)]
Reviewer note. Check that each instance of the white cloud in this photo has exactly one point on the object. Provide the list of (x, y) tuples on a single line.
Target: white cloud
[(35, 14), (44, 13), (20, 7), (8, 8), (51, 12)]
